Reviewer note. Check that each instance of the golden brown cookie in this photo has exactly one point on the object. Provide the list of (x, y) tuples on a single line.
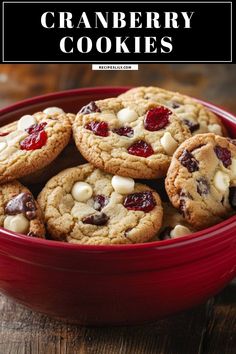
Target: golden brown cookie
[(134, 139), (201, 180), (32, 143), (85, 205), (195, 116), (19, 212)]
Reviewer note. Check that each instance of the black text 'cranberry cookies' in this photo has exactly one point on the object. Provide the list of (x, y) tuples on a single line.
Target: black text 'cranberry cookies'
[(19, 212), (85, 205), (201, 180), (129, 139), (33, 142)]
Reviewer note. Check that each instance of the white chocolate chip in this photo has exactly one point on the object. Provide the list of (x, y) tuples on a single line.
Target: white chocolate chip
[(53, 110), (25, 122), (127, 115), (16, 223), (122, 185), (81, 191), (3, 145), (15, 137), (179, 230), (232, 168), (221, 181), (215, 128), (169, 143)]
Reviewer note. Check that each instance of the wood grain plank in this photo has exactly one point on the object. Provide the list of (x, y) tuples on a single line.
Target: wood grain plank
[(209, 328), (18, 81), (215, 83), (23, 331), (220, 334), (210, 82)]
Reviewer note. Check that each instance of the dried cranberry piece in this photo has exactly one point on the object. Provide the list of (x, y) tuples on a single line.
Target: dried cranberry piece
[(100, 201), (34, 141), (36, 128), (100, 219), (141, 148), (156, 118), (98, 128), (124, 131), (192, 126), (203, 186), (165, 234), (22, 203), (224, 155), (4, 133), (90, 108), (143, 201), (189, 161), (232, 197)]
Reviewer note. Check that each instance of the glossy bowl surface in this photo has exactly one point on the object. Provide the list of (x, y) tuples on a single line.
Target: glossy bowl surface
[(127, 284)]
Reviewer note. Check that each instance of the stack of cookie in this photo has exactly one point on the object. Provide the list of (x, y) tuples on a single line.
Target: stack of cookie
[(26, 146), (167, 139)]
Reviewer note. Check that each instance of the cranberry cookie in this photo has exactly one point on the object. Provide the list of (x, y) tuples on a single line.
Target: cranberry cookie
[(85, 205), (135, 139), (19, 211), (201, 180), (32, 143), (196, 117)]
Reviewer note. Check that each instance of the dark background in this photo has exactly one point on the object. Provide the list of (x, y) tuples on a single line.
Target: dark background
[(208, 329), (213, 82)]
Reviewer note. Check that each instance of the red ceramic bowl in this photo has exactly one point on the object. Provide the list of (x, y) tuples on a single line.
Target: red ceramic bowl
[(129, 284)]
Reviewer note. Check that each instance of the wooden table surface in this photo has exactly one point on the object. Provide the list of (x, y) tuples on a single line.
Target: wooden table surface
[(207, 329)]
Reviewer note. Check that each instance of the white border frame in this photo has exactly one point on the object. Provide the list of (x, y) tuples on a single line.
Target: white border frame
[(119, 2)]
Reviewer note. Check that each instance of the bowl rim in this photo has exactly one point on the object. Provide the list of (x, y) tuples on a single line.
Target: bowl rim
[(198, 236)]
